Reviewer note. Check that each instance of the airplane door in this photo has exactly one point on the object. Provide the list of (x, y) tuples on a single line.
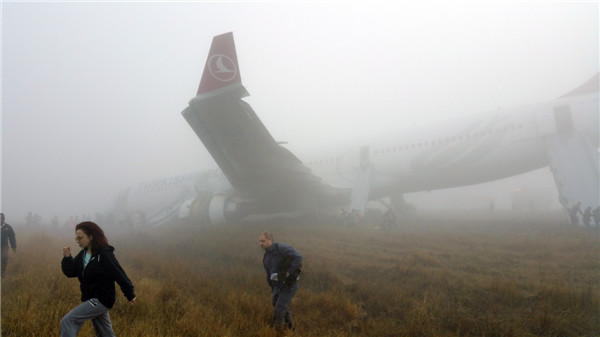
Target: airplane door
[(545, 122), (563, 120), (555, 121)]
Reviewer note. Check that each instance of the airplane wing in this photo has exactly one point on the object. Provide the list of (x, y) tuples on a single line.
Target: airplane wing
[(257, 166)]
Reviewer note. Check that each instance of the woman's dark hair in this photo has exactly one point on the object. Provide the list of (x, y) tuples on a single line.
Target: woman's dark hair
[(99, 241)]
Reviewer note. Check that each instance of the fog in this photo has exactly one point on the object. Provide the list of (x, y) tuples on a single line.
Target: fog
[(92, 93)]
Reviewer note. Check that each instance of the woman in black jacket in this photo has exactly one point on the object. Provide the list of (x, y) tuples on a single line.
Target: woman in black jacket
[(97, 270)]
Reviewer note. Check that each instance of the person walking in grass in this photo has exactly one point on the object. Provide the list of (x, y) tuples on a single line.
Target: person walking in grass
[(97, 270), (282, 264), (8, 237)]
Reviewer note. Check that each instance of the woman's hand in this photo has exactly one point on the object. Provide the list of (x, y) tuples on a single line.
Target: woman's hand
[(133, 300), (66, 251)]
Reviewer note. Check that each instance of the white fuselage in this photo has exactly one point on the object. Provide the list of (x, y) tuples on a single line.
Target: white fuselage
[(460, 152)]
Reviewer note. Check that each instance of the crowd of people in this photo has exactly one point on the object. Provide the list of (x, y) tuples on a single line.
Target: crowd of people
[(354, 217), (349, 219), (587, 216)]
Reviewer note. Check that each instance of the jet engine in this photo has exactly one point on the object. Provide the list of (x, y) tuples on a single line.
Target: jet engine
[(209, 209)]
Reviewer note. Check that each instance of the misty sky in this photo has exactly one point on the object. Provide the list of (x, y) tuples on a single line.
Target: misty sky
[(92, 93)]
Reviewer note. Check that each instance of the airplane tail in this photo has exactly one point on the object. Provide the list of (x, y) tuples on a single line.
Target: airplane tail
[(221, 71)]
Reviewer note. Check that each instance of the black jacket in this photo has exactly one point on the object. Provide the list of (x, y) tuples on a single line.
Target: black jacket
[(98, 278), (281, 259), (8, 235)]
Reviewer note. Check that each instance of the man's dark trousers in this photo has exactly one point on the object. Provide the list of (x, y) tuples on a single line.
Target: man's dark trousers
[(282, 296)]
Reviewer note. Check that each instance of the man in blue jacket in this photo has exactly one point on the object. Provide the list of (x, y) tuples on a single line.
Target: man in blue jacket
[(282, 264)]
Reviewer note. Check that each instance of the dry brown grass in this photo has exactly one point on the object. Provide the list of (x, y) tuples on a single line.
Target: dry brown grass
[(439, 275)]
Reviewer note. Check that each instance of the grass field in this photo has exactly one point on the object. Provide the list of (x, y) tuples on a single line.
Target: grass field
[(469, 274)]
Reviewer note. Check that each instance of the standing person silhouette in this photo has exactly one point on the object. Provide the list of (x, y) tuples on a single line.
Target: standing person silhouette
[(282, 264), (8, 237), (97, 270)]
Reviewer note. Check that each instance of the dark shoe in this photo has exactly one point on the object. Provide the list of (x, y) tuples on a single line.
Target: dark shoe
[(279, 326), (291, 326), (289, 322)]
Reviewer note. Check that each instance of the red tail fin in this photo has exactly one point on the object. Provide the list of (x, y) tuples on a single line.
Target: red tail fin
[(221, 67)]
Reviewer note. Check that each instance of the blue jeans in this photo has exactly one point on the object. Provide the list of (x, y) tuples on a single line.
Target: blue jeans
[(282, 295), (90, 309)]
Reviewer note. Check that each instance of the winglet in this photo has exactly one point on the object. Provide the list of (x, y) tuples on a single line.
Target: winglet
[(221, 69)]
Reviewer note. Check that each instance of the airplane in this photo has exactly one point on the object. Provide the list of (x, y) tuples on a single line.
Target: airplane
[(259, 175)]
